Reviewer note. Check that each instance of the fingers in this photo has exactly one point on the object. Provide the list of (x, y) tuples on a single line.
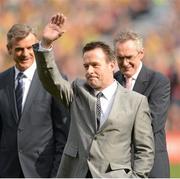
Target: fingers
[(58, 19)]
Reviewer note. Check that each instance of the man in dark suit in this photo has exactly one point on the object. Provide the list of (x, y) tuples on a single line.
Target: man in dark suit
[(129, 51), (33, 124), (105, 117)]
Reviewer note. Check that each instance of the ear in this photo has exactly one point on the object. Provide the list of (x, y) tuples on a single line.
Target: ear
[(142, 52), (9, 49), (113, 65)]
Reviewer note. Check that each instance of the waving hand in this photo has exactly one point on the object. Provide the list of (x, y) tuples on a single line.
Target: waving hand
[(53, 30)]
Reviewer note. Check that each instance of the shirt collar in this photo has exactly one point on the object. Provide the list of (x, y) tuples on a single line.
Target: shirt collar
[(29, 72), (137, 72), (109, 91), (134, 77)]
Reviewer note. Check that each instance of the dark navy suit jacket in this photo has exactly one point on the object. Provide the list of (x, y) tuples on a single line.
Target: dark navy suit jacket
[(35, 142)]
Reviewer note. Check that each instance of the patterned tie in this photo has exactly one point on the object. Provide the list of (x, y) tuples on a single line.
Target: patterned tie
[(98, 109), (19, 92), (128, 83)]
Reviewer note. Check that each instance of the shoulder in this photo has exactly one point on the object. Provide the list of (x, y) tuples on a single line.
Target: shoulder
[(161, 77), (135, 100), (6, 73), (132, 96), (6, 77), (156, 76), (136, 96), (80, 85)]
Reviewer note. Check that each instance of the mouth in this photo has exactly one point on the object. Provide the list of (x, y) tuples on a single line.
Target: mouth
[(24, 59), (91, 77)]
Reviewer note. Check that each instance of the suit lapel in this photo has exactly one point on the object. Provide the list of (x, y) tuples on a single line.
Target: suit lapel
[(115, 106), (33, 90), (92, 105), (11, 94), (120, 78), (142, 80)]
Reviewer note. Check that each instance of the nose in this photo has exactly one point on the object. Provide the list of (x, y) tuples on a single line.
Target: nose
[(125, 62), (25, 52), (89, 69)]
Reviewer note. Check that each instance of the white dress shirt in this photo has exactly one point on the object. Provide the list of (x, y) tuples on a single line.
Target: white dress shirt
[(27, 80), (134, 77), (107, 101)]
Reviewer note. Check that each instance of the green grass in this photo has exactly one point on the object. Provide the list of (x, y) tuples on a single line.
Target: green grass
[(175, 171)]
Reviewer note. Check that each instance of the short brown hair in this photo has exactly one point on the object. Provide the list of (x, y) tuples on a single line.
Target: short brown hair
[(98, 44), (18, 31)]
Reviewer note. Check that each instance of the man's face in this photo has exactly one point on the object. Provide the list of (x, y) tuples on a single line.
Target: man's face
[(128, 57), (22, 51), (99, 71)]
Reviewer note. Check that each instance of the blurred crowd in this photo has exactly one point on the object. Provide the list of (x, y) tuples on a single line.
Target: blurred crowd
[(157, 20)]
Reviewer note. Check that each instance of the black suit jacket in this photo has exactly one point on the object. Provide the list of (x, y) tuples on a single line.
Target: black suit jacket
[(33, 144), (156, 88)]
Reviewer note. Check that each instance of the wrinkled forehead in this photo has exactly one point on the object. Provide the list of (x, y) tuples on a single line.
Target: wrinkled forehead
[(126, 47)]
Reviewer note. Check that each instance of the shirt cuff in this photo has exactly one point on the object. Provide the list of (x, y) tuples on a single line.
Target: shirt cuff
[(42, 49)]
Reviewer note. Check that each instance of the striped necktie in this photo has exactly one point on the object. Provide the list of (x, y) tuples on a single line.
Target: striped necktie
[(98, 109), (19, 92)]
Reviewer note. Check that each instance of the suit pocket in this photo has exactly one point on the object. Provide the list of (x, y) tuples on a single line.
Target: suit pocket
[(71, 151), (116, 169)]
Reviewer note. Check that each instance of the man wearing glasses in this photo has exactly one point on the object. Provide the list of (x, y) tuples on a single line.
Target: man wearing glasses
[(135, 76)]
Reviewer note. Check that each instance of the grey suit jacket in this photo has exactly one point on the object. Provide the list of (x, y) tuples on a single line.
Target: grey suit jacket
[(106, 153), (156, 88), (33, 144)]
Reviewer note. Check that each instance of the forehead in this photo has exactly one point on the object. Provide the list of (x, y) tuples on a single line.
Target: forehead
[(95, 54), (23, 42), (126, 47)]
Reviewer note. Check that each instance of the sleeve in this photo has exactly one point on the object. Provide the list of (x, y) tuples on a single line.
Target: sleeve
[(50, 76), (159, 101), (61, 123), (42, 49), (143, 140)]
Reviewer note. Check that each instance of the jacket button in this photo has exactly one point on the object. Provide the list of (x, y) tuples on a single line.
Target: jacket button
[(20, 151), (20, 129)]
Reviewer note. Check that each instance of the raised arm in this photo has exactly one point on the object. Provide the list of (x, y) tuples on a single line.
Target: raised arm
[(47, 69)]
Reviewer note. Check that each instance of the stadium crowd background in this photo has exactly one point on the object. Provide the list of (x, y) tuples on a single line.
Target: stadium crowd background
[(157, 20)]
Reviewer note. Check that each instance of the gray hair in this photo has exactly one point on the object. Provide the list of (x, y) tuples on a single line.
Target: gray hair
[(129, 35), (19, 31)]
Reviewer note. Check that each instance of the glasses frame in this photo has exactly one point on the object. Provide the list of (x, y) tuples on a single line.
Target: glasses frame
[(127, 58)]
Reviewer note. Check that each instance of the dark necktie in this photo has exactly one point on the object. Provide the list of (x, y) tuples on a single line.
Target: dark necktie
[(19, 92), (98, 109)]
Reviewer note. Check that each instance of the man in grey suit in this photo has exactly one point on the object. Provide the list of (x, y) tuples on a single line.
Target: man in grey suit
[(34, 129), (102, 128), (156, 87)]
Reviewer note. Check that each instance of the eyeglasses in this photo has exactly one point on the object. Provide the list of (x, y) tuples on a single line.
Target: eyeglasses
[(128, 58)]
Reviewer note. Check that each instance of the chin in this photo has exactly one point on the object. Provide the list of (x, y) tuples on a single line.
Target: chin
[(23, 68), (127, 73), (92, 85)]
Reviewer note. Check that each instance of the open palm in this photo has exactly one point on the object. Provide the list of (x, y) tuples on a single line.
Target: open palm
[(54, 29)]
